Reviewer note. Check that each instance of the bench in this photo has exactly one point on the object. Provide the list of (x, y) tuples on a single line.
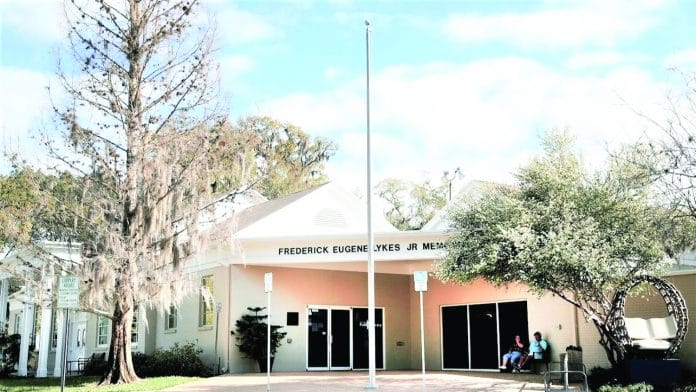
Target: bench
[(651, 334)]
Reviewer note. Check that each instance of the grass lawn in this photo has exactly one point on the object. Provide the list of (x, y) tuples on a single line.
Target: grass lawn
[(84, 384)]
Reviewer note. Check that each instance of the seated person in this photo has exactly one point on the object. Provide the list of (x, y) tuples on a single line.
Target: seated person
[(537, 350), (514, 354), (538, 346)]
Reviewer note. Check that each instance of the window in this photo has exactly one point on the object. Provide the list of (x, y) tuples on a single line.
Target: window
[(54, 331), (134, 325), (15, 328), (171, 318), (103, 325), (206, 304)]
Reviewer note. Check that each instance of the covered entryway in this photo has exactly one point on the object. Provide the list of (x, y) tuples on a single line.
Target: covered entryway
[(337, 338), (475, 336)]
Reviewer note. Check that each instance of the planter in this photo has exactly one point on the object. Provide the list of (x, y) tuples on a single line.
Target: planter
[(262, 365)]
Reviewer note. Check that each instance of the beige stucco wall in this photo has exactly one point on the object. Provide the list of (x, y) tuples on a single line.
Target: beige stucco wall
[(295, 289), (550, 315), (188, 330)]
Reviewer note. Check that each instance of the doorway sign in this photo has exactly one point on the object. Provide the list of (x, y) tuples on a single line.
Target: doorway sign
[(68, 298)]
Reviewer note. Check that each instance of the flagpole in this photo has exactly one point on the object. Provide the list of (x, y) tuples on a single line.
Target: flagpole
[(372, 373)]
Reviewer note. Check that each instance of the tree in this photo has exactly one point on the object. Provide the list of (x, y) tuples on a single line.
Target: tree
[(138, 123), (411, 205), (561, 230), (276, 158)]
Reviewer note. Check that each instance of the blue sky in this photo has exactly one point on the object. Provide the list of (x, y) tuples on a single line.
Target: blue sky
[(470, 84)]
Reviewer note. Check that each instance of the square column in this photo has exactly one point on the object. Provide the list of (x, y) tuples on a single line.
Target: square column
[(60, 319), (45, 340), (27, 326), (4, 293), (45, 329)]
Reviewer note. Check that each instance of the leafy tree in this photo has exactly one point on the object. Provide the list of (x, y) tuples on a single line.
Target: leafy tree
[(273, 157), (411, 205), (137, 127), (559, 229)]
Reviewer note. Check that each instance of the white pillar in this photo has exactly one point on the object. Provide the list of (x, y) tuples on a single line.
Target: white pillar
[(57, 369), (4, 292), (45, 331), (27, 326)]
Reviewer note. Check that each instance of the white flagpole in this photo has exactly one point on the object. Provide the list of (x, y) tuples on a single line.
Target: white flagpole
[(372, 362)]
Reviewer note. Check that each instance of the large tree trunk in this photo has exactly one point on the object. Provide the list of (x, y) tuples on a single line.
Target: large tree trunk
[(120, 364)]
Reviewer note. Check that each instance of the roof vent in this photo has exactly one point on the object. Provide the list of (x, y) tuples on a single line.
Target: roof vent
[(330, 217)]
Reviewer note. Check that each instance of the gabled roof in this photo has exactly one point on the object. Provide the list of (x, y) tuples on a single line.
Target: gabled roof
[(255, 213), (472, 189), (321, 210)]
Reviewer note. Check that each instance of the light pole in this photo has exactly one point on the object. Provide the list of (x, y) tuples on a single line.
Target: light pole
[(372, 362), (446, 175)]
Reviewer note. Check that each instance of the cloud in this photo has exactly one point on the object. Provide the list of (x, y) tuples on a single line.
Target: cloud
[(584, 60), (684, 60), (586, 23), (485, 116), (24, 105), (235, 26), (36, 19)]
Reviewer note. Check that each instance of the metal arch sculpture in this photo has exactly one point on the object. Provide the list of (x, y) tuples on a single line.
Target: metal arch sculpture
[(676, 307)]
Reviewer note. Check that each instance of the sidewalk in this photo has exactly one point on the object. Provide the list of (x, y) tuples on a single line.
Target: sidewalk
[(388, 381)]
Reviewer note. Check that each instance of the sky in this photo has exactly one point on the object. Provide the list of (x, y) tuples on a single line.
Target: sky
[(468, 84)]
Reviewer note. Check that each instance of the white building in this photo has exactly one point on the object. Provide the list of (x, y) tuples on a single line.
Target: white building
[(314, 243)]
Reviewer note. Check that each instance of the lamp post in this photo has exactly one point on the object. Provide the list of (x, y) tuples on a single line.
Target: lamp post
[(446, 176), (372, 362)]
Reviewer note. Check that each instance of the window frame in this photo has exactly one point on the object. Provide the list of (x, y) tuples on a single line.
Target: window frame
[(206, 302), (171, 318), (103, 322)]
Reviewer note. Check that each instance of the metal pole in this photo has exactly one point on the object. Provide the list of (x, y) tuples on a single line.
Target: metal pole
[(65, 349), (422, 331), (268, 346), (217, 328), (372, 362)]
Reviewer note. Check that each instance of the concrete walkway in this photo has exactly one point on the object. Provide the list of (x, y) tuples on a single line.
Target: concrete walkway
[(387, 381)]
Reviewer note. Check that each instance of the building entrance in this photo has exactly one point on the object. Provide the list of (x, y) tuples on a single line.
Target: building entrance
[(474, 337), (337, 338)]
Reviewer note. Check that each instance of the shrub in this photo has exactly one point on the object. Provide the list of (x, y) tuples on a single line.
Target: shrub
[(9, 347), (95, 366), (599, 376), (686, 388), (178, 360), (641, 387)]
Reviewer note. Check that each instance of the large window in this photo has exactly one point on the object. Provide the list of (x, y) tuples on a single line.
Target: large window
[(206, 305), (171, 318), (134, 325), (103, 325), (54, 331)]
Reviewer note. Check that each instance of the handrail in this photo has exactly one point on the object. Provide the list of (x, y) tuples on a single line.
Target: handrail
[(564, 373)]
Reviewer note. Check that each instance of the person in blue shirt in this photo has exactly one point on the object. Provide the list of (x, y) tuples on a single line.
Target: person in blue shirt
[(538, 346)]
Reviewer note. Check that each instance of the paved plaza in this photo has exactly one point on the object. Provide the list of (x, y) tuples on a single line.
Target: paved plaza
[(357, 381)]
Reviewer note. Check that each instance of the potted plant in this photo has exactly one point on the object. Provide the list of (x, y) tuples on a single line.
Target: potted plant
[(251, 334)]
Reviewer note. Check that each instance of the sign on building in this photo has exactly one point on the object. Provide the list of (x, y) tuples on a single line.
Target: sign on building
[(420, 280), (69, 292)]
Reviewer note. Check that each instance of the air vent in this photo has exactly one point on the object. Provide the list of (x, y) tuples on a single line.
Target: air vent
[(330, 217)]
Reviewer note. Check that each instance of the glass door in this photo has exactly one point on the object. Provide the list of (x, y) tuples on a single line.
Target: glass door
[(317, 339), (483, 327), (360, 339), (455, 337), (340, 339), (328, 338)]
